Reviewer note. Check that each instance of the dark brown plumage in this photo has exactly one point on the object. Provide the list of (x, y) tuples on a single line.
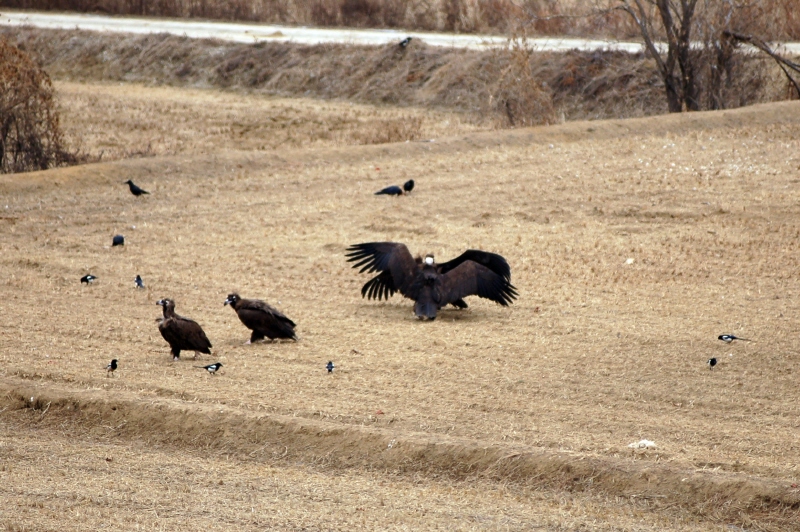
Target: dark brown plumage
[(182, 334), (432, 286), (263, 319)]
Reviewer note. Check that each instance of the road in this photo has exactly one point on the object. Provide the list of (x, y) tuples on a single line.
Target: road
[(250, 33)]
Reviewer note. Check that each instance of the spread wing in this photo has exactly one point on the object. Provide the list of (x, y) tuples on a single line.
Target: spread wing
[(184, 334), (493, 261), (473, 279), (394, 262)]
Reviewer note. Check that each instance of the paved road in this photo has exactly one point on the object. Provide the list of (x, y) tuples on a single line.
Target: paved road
[(248, 33)]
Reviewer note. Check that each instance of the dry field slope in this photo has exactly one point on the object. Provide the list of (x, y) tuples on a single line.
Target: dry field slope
[(633, 245)]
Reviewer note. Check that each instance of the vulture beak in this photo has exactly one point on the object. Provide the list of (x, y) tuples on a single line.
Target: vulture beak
[(227, 302), (160, 302)]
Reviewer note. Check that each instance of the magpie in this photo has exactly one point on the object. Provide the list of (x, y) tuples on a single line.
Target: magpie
[(211, 368), (329, 366), (405, 42), (111, 368), (136, 191), (88, 279), (408, 186), (138, 281), (728, 338), (711, 363), (393, 190), (118, 240)]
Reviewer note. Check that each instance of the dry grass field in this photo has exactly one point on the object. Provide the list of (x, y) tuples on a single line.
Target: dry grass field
[(633, 244)]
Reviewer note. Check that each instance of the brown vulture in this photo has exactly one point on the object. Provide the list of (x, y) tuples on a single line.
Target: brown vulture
[(182, 334), (261, 318), (432, 286)]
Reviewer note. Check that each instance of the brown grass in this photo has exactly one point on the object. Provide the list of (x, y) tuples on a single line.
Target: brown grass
[(535, 403), (500, 88), (772, 19)]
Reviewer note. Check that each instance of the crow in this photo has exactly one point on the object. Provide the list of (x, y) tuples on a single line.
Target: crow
[(136, 191), (408, 186), (211, 368), (261, 318), (111, 368), (405, 42), (138, 281), (728, 338), (88, 279), (118, 240), (181, 333), (393, 190), (711, 363), (329, 366), (432, 286)]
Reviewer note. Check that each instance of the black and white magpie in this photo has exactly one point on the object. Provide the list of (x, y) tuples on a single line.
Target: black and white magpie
[(728, 338), (211, 368), (408, 186), (88, 279), (118, 240), (111, 368), (405, 42), (136, 191), (138, 281), (711, 363), (329, 366)]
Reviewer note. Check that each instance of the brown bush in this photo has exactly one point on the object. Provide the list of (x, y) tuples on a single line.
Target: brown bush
[(30, 137)]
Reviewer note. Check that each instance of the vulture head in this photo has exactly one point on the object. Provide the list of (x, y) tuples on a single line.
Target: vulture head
[(232, 300), (167, 304)]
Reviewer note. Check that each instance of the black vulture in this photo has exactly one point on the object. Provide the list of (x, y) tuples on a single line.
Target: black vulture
[(88, 279), (393, 190), (432, 286), (263, 319), (182, 334), (118, 240), (408, 186), (136, 191)]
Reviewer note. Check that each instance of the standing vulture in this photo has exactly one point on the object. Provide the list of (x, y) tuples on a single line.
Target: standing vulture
[(182, 334), (432, 286), (261, 318)]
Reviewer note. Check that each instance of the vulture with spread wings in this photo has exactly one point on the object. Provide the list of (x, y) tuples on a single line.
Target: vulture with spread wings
[(432, 286)]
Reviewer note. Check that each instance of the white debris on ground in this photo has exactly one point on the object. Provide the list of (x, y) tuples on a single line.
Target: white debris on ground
[(643, 444)]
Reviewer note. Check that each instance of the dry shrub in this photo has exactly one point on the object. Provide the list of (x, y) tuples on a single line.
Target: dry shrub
[(518, 95), (389, 130), (30, 137)]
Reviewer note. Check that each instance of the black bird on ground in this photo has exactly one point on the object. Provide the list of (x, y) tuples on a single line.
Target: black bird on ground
[(211, 368), (393, 190), (118, 240), (182, 334), (728, 338), (111, 368), (711, 363), (329, 366), (136, 191), (88, 279), (138, 281), (408, 186), (263, 319), (432, 286), (405, 42)]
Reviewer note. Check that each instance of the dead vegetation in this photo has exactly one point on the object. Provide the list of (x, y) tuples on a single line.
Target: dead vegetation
[(500, 88), (30, 134)]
